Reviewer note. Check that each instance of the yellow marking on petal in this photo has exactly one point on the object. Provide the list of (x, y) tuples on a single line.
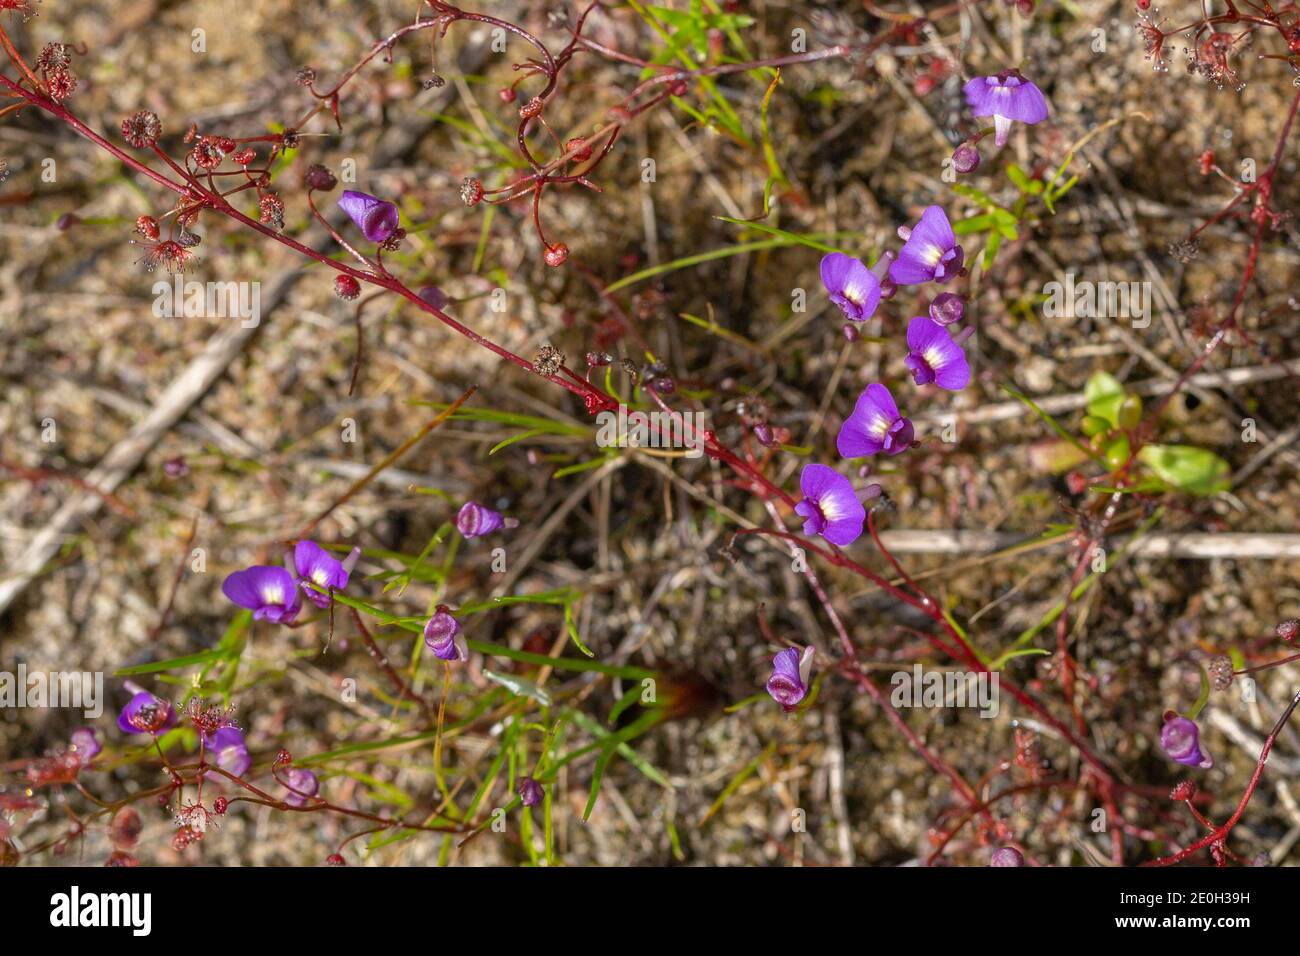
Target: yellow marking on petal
[(319, 576), (879, 426), (932, 254), (273, 594), (934, 357)]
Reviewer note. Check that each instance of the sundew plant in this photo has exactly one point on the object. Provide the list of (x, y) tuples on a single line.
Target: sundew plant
[(684, 432)]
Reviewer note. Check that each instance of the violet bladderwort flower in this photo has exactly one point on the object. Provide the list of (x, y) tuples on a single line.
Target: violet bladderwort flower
[(934, 357), (474, 520), (442, 636), (146, 714), (853, 287), (376, 218), (313, 564), (530, 792), (791, 670), (269, 592), (930, 252), (1006, 96), (874, 426), (86, 743), (301, 784), (1180, 739), (829, 507), (229, 751)]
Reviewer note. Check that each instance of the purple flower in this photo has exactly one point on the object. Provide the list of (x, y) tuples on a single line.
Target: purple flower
[(473, 520), (530, 792), (930, 251), (1007, 96), (376, 218), (788, 684), (934, 357), (852, 286), (269, 592), (301, 784), (229, 751), (874, 426), (1180, 739), (1007, 856), (442, 636), (313, 563), (146, 714), (86, 743), (829, 506)]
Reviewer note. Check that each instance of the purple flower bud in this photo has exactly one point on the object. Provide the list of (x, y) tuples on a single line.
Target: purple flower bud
[(948, 308), (1007, 856), (86, 743), (376, 218), (930, 254), (791, 671), (302, 784), (146, 714), (874, 426), (829, 506), (474, 520), (269, 592), (229, 752), (1006, 97), (442, 636), (176, 467), (434, 296), (1180, 739), (530, 791), (965, 158)]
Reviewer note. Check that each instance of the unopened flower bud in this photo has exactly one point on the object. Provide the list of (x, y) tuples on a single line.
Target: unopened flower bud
[(530, 792), (947, 308), (1007, 856), (434, 296), (965, 158), (556, 255)]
